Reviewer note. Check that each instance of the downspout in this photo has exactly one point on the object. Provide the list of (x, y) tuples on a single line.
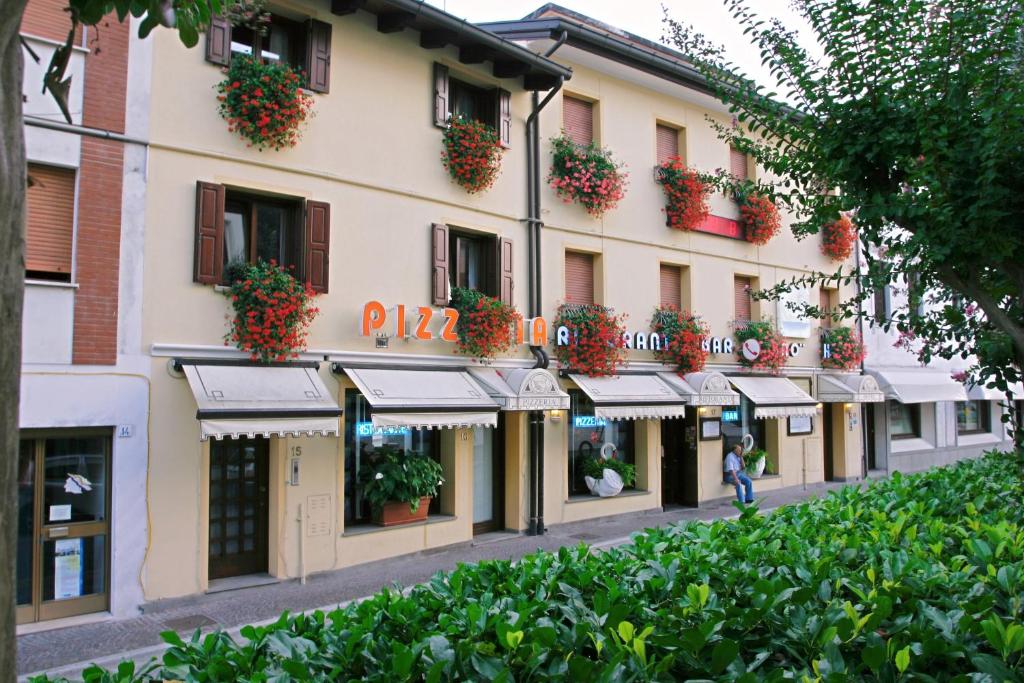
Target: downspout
[(860, 330), (535, 418)]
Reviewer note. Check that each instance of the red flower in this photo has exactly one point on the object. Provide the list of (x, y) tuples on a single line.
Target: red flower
[(263, 102), (472, 154), (686, 204), (760, 217), (683, 336), (838, 238), (587, 175), (596, 345)]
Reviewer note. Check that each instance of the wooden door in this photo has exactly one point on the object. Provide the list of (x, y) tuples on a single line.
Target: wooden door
[(679, 461), (828, 450), (239, 475)]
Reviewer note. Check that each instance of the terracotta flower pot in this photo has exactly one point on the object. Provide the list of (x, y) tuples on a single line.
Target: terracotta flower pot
[(395, 513)]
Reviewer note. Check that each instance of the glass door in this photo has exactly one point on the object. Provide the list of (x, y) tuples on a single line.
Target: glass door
[(63, 525), (488, 480)]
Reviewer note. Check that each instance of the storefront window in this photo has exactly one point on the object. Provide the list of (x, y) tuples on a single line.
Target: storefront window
[(738, 421), (972, 417), (362, 439), (904, 420), (589, 434)]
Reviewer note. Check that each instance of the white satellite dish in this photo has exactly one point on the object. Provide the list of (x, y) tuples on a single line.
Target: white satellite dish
[(748, 443)]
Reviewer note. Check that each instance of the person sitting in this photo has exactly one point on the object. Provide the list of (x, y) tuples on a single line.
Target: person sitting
[(736, 475)]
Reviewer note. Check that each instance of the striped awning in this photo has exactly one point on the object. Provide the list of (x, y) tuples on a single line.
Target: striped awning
[(631, 397), (775, 397), (849, 389)]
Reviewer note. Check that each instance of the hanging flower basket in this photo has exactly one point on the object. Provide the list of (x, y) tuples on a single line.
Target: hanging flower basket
[(486, 325), (682, 339), (264, 102), (845, 348), (596, 346), (586, 175), (759, 216), (759, 346), (472, 154), (838, 238), (272, 311), (686, 195)]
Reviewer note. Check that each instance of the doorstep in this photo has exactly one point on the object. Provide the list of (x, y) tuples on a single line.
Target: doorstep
[(364, 529), (51, 624), (233, 583)]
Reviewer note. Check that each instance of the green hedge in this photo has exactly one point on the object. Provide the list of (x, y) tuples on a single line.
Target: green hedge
[(915, 578)]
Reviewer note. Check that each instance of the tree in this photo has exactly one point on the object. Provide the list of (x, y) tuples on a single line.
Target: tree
[(188, 17), (912, 122)]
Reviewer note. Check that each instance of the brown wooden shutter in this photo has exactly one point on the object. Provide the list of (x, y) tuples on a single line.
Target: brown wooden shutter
[(505, 282), (578, 120), (671, 286), (317, 245), (579, 278), (441, 90), (667, 139), (218, 40), (742, 298), (825, 304), (503, 116), (738, 163), (439, 274), (208, 267), (318, 55), (50, 208)]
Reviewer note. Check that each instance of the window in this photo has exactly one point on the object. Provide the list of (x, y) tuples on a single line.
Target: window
[(472, 260), (471, 103), (362, 438), (973, 417), (456, 98), (303, 45), (578, 120), (741, 297), (904, 420), (738, 421), (667, 141), (671, 286), (589, 434), (738, 164), (579, 278), (880, 299), (236, 226), (826, 305), (49, 232)]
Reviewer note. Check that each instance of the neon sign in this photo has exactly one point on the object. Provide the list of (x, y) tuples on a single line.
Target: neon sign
[(730, 416), (588, 421), (367, 429)]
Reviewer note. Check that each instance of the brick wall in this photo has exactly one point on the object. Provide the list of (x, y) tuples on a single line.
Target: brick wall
[(98, 240), (47, 19)]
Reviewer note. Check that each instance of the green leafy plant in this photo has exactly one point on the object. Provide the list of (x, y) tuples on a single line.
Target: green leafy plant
[(486, 325), (683, 336), (753, 456), (251, 14), (595, 467), (391, 475), (264, 102), (846, 350)]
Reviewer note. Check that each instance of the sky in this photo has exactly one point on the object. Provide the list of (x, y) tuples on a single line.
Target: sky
[(644, 18)]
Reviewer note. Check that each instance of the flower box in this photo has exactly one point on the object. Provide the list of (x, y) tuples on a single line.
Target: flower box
[(395, 513)]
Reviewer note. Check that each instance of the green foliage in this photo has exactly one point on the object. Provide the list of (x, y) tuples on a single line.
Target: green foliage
[(753, 456), (486, 325), (915, 578), (594, 468), (391, 475)]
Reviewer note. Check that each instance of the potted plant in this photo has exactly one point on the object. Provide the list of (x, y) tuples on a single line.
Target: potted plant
[(757, 462), (472, 154), (273, 311), (844, 348), (686, 195), (683, 335), (759, 346), (838, 238), (399, 485), (486, 325), (264, 102), (607, 476), (596, 346), (758, 214), (587, 175)]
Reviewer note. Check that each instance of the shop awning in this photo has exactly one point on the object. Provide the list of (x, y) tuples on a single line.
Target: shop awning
[(702, 388), (849, 389), (631, 397), (775, 397), (918, 386), (980, 392), (522, 388), (435, 398), (268, 400)]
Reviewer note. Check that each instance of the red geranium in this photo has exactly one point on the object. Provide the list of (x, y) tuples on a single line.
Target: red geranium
[(486, 325), (838, 238), (846, 349), (472, 154), (596, 346), (686, 195), (760, 217), (773, 351), (272, 311), (264, 102), (683, 335), (587, 175)]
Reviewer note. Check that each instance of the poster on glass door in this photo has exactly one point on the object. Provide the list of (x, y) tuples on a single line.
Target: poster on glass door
[(67, 572)]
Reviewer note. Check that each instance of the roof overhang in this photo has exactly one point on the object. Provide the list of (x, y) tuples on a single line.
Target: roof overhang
[(522, 388), (849, 389), (918, 385), (702, 388), (775, 397), (631, 397)]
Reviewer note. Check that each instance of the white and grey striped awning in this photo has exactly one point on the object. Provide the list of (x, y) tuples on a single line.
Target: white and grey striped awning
[(631, 397)]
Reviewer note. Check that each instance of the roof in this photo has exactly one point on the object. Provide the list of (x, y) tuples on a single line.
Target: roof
[(476, 45)]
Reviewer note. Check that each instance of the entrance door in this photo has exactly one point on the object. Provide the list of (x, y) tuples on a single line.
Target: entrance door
[(63, 525), (679, 460), (488, 478), (828, 450), (869, 423), (239, 475)]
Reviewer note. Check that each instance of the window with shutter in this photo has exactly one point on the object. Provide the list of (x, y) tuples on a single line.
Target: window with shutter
[(738, 164), (303, 45), (506, 284), (49, 232), (442, 101), (317, 245), (479, 262), (318, 55), (742, 310), (218, 41), (579, 278), (440, 264), (667, 139), (825, 304), (578, 119), (671, 286)]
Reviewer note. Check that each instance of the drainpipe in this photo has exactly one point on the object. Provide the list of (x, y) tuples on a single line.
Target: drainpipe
[(535, 419), (863, 413)]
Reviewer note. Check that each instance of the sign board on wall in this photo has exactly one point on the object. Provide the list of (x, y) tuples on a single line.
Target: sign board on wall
[(792, 323), (68, 574)]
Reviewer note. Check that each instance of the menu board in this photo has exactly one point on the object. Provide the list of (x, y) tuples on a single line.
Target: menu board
[(67, 572)]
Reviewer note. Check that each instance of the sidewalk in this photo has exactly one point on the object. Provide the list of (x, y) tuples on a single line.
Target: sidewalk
[(68, 650)]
